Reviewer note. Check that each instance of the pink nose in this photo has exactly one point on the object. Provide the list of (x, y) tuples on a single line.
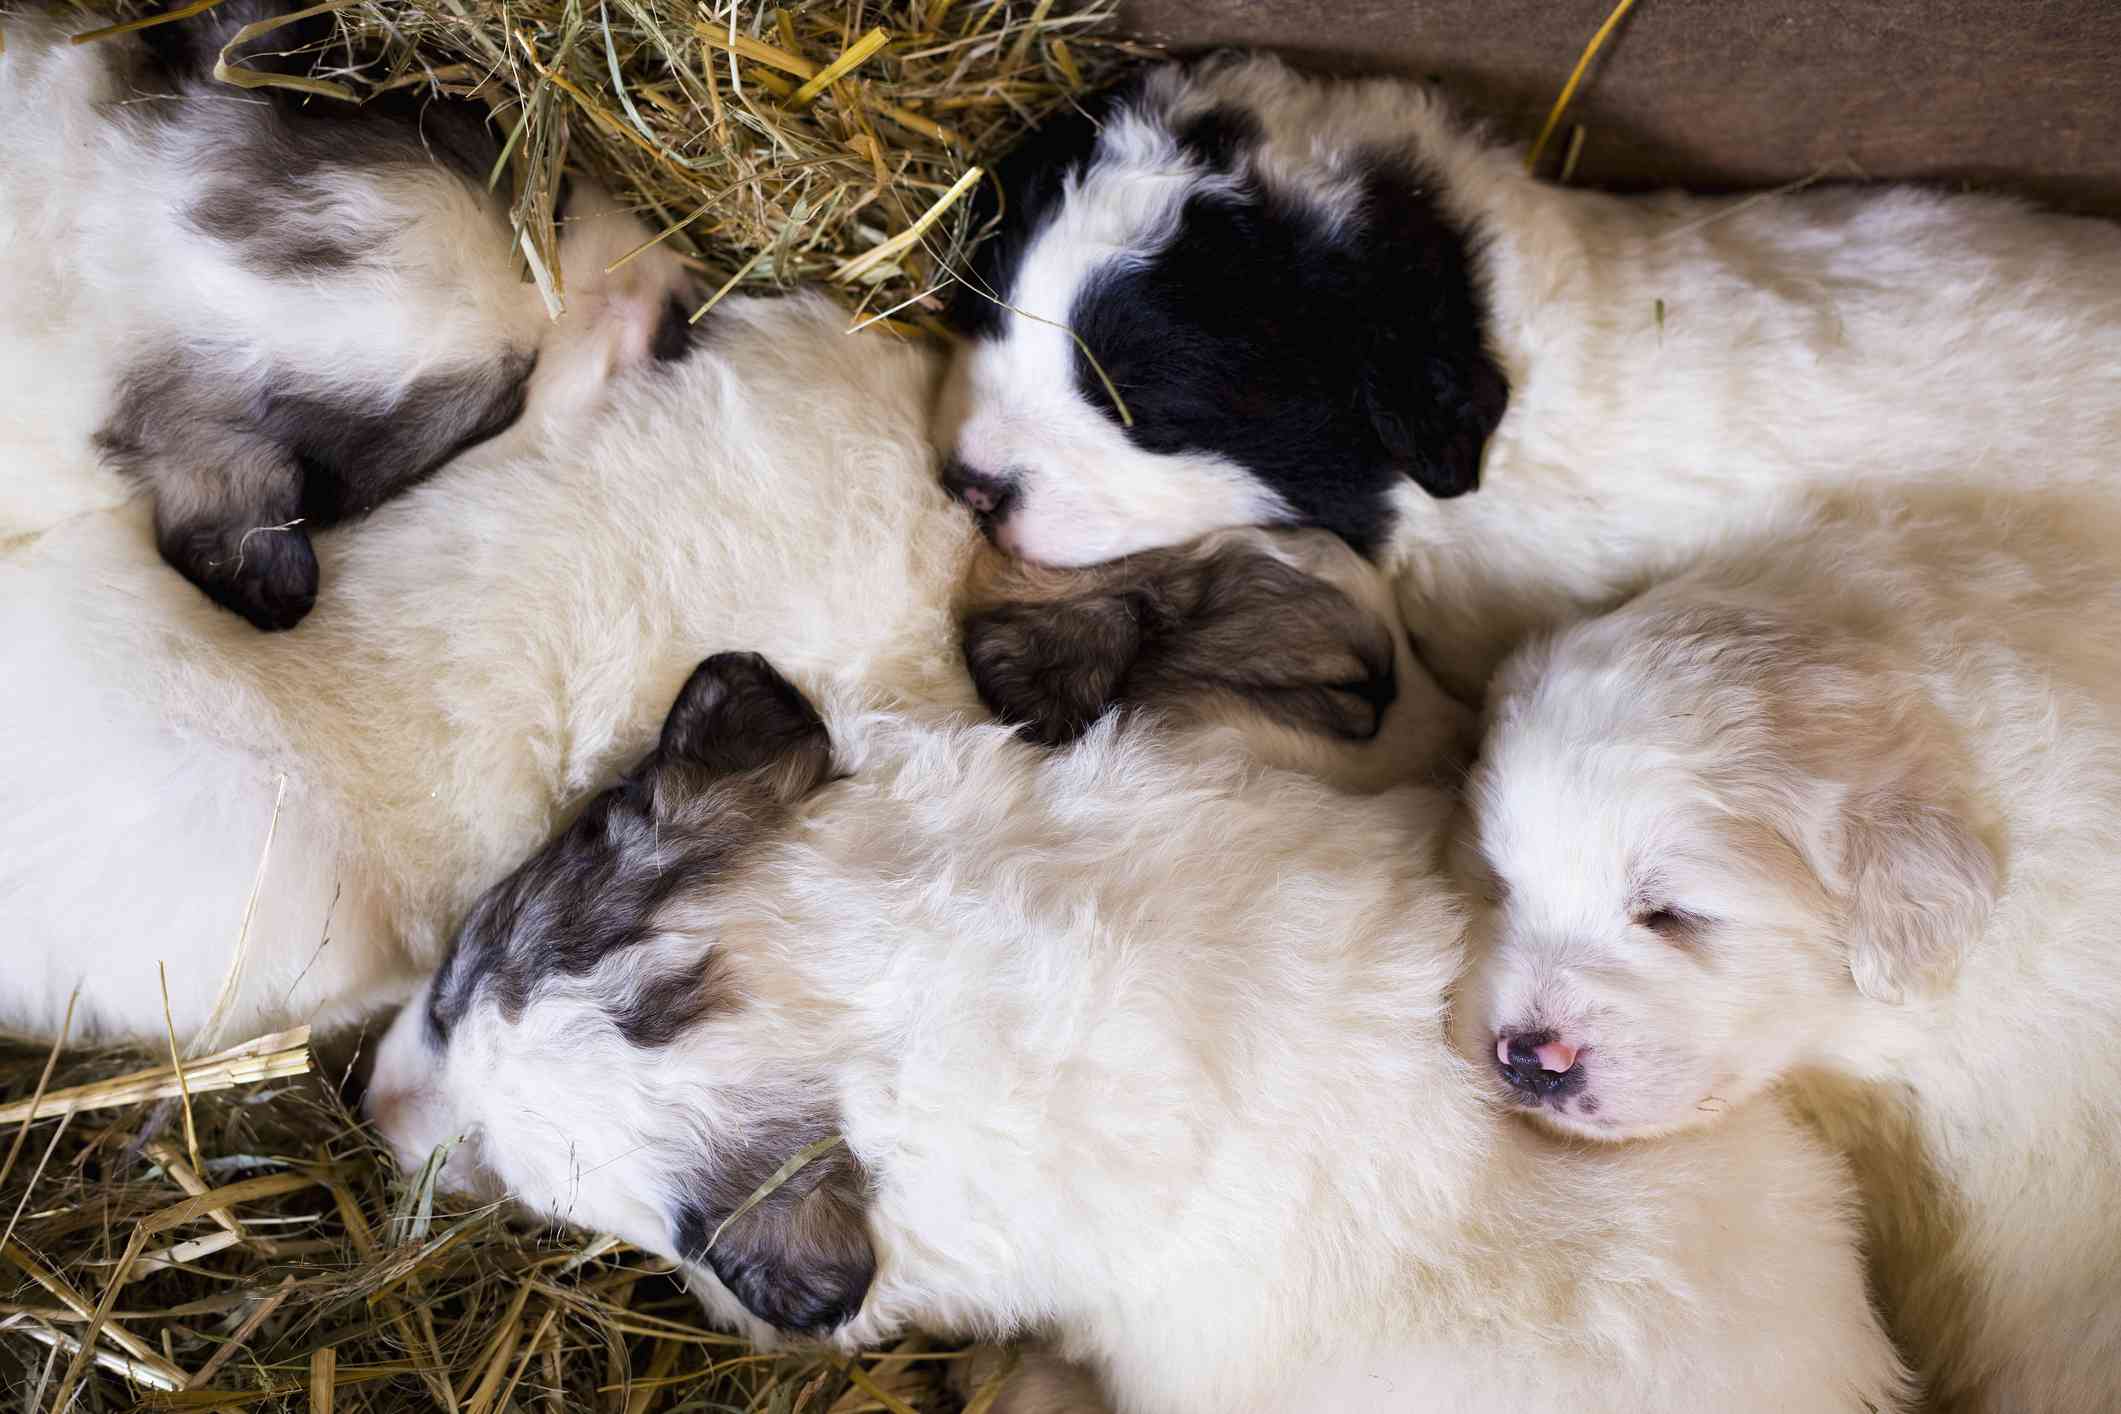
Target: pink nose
[(1555, 1056)]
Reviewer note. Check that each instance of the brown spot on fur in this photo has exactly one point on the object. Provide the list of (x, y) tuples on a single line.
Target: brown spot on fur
[(1205, 631), (799, 1258)]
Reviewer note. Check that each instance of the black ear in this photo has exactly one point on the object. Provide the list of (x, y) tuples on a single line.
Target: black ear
[(1054, 667), (1433, 391), (798, 1257), (189, 48), (736, 714)]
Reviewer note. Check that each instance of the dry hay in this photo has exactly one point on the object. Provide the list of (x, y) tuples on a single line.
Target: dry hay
[(249, 1247), (832, 141)]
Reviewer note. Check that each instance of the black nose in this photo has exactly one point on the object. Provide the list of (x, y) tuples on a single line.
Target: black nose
[(990, 497), (1538, 1064)]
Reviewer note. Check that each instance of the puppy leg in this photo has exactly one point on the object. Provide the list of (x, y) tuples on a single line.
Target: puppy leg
[(228, 494)]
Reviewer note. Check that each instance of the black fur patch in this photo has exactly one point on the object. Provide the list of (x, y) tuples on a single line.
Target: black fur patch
[(1182, 632), (1326, 361), (800, 1258), (265, 181), (1023, 194), (739, 745), (1220, 137)]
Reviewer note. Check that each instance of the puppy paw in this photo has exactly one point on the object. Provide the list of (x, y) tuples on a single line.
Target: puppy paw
[(266, 573)]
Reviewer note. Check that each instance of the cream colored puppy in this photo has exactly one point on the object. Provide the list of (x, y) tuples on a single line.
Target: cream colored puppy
[(1136, 1045), (1843, 812)]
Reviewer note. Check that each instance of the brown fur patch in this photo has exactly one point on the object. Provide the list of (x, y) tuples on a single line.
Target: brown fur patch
[(799, 1258), (1219, 628)]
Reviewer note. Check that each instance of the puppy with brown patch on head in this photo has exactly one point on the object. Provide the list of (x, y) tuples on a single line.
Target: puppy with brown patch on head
[(1135, 1045), (1839, 815), (270, 312)]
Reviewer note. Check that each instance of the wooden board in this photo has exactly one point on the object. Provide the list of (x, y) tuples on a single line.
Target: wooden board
[(2015, 95)]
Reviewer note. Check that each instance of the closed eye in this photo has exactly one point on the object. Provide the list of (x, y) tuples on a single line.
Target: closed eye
[(1674, 925)]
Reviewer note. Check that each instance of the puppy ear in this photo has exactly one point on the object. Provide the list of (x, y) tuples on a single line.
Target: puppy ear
[(1921, 887), (792, 1245), (1433, 392), (737, 715)]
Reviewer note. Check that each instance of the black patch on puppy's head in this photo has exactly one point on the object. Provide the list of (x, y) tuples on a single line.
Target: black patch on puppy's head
[(1023, 193), (187, 49), (1328, 358), (740, 745)]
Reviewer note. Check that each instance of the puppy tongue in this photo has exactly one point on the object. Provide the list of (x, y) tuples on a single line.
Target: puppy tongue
[(1556, 1056)]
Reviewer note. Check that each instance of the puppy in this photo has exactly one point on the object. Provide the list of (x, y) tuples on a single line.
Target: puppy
[(1329, 303), (899, 1021), (1841, 813), (272, 312), (501, 642)]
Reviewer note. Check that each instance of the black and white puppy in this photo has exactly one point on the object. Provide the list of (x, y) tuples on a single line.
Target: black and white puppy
[(271, 310), (1232, 294)]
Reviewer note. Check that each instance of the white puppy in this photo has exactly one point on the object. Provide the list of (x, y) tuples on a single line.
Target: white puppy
[(1843, 811), (272, 312), (1136, 1044), (1329, 303)]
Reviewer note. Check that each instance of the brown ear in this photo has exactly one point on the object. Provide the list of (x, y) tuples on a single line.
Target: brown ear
[(737, 715), (791, 1244), (1195, 631), (1920, 888)]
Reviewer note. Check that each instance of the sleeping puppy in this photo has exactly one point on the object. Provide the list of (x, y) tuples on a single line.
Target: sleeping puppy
[(871, 1019), (272, 311), (1329, 303), (1842, 813), (503, 639)]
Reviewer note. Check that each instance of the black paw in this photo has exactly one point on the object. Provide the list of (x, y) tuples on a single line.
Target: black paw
[(267, 573)]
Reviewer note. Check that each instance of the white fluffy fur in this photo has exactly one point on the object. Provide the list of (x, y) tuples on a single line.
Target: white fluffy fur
[(101, 267), (1680, 369), (497, 643), (1877, 763), (1145, 1048)]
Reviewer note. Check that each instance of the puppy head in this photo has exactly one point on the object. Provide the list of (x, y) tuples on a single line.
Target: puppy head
[(1712, 836), (1288, 638), (586, 1052), (1291, 330)]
